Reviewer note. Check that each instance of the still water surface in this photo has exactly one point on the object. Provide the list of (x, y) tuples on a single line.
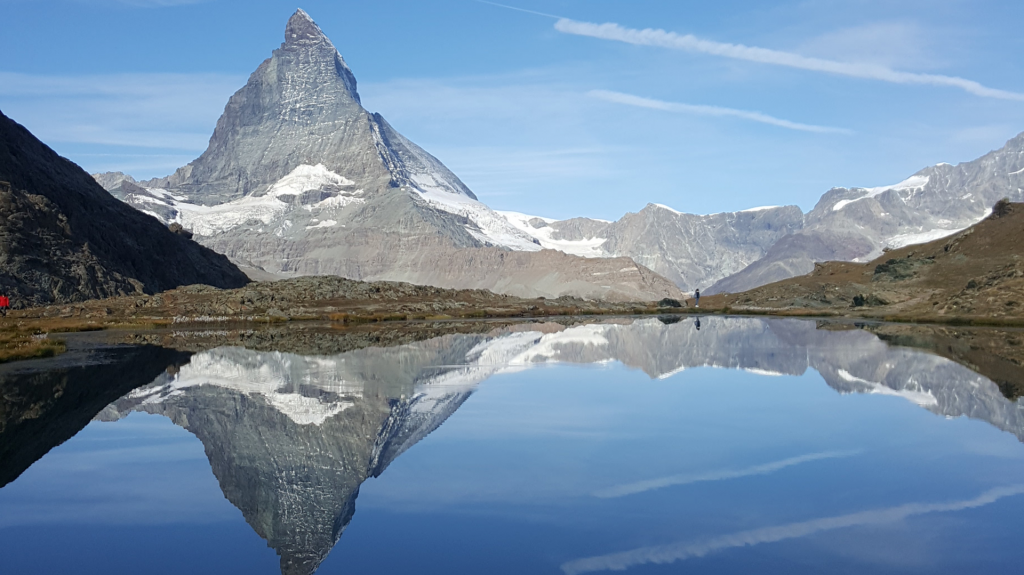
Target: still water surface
[(648, 446)]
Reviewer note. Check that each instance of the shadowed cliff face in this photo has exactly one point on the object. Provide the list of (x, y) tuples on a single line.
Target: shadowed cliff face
[(291, 438), (64, 239)]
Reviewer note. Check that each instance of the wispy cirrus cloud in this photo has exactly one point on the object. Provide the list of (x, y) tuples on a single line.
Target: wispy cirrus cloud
[(717, 475), (704, 110), (691, 43), (665, 554)]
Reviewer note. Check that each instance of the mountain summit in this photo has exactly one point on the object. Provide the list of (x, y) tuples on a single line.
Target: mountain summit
[(300, 107), (300, 179)]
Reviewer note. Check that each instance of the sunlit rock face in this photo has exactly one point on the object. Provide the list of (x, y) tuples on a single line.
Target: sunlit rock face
[(291, 438), (300, 179)]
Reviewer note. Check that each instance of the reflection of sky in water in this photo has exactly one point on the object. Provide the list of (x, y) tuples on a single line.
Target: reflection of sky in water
[(728, 452), (571, 469)]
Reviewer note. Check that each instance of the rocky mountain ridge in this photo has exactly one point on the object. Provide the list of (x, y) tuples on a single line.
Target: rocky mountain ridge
[(64, 239), (736, 251), (856, 224)]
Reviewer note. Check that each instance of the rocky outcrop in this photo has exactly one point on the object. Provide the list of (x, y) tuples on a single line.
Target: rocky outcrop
[(63, 238)]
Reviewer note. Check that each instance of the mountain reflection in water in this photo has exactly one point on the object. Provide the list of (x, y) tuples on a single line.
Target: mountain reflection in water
[(291, 438)]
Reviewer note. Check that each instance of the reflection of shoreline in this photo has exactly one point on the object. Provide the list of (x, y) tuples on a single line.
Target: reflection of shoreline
[(44, 403)]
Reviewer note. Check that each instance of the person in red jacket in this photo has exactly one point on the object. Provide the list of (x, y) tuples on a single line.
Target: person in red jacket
[(4, 304)]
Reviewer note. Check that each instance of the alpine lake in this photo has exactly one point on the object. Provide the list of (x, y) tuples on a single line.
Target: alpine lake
[(677, 444)]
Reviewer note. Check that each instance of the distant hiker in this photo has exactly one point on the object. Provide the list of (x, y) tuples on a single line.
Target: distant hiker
[(4, 304), (696, 296)]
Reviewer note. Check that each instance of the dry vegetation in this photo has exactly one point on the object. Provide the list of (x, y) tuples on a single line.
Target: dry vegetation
[(337, 300)]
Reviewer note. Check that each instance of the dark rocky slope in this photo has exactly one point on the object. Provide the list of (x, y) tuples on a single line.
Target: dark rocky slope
[(63, 238)]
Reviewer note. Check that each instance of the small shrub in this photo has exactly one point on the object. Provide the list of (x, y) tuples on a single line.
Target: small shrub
[(1002, 208)]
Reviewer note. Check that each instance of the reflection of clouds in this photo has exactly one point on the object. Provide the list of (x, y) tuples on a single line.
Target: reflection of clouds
[(664, 554), (718, 475)]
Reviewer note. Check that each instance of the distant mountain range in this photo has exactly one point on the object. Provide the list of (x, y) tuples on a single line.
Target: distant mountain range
[(737, 251), (299, 179)]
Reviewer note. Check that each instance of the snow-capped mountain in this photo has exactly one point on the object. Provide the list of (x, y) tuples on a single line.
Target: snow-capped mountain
[(300, 179)]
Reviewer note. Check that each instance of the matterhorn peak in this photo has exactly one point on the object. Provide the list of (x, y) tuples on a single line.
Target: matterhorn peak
[(301, 28)]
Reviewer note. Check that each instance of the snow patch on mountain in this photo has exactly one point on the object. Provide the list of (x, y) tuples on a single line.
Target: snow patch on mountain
[(306, 178), (922, 237), (489, 226), (664, 207), (266, 209), (323, 224), (588, 248), (911, 183)]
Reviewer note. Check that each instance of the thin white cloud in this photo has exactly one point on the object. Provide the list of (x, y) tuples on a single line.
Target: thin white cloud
[(142, 112), (717, 475), (534, 12), (641, 102), (665, 554), (691, 43)]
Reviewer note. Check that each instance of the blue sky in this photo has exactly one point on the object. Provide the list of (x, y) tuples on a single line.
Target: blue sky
[(554, 117)]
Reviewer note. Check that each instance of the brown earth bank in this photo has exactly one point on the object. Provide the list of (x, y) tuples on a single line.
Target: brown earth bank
[(973, 277), (333, 299)]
